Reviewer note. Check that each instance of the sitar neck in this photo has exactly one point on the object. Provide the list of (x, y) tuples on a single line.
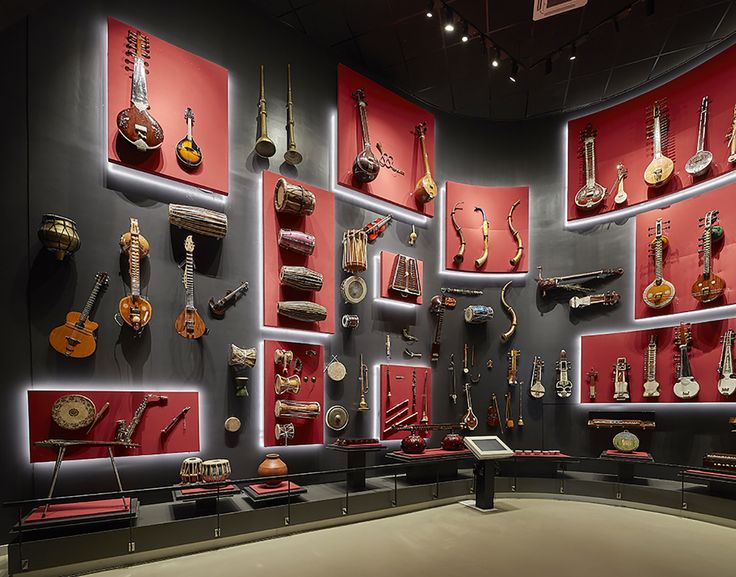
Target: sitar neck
[(427, 172), (658, 250), (657, 137), (364, 123), (188, 280), (651, 361), (135, 265), (702, 124), (707, 242), (684, 365), (726, 365), (589, 162)]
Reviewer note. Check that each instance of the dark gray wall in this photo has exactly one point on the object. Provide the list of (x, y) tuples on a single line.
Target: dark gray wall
[(66, 103)]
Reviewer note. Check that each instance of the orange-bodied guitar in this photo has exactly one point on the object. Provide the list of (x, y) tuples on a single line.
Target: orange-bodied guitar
[(189, 324), (135, 310), (660, 292), (426, 188), (187, 151), (709, 286), (661, 168), (76, 337)]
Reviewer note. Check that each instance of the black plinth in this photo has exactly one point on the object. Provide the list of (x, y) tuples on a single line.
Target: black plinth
[(485, 484), (357, 458), (436, 464), (627, 463)]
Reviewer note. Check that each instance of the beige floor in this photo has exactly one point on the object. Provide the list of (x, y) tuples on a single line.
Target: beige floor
[(529, 537)]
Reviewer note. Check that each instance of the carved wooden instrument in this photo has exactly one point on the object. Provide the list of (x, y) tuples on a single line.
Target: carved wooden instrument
[(492, 417), (686, 387), (661, 168), (425, 417), (727, 380), (559, 282), (700, 162), (725, 461), (292, 155), (563, 386), (536, 389), (731, 138), (135, 310), (135, 124), (76, 338), (426, 188), (621, 380), (708, 286), (651, 386), (479, 262), (508, 410), (660, 292), (363, 381), (514, 260), (621, 174), (621, 423), (591, 377), (438, 305), (512, 367), (187, 150), (189, 324), (460, 255), (607, 298), (264, 145), (375, 228), (592, 193), (469, 419), (508, 333), (365, 166), (219, 306)]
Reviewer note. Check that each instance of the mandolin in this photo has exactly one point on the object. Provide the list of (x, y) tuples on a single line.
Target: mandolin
[(135, 123), (592, 193), (686, 387), (621, 174), (709, 286), (661, 168), (76, 338), (135, 310), (426, 188), (651, 386), (189, 324), (536, 389), (365, 166), (727, 377), (563, 386), (187, 151), (660, 292)]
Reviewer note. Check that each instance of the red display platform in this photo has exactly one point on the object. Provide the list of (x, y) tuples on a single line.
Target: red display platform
[(122, 406), (387, 263), (283, 487), (307, 431), (542, 454), (400, 390), (209, 490), (622, 135), (430, 454), (177, 80), (391, 122), (682, 262), (701, 473), (62, 511), (600, 352), (321, 224), (496, 201)]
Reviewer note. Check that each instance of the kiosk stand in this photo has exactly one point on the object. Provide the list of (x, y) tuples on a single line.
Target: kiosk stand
[(486, 451)]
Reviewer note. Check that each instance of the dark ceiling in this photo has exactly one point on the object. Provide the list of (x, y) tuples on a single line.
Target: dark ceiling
[(620, 44)]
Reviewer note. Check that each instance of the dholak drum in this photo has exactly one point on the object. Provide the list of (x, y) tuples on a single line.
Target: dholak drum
[(296, 241), (301, 278), (215, 470), (191, 470), (293, 198), (478, 314), (353, 289), (354, 251), (59, 235), (305, 311), (199, 220)]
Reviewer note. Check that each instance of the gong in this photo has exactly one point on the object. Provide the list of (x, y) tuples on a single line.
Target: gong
[(337, 418)]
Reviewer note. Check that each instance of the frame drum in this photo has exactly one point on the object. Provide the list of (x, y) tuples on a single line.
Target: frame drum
[(72, 412), (336, 370), (478, 314), (353, 289), (215, 470), (232, 424), (293, 198)]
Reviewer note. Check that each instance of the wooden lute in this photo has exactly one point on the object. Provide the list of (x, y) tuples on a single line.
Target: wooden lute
[(187, 150), (708, 286), (426, 188), (365, 166), (661, 168), (135, 310), (189, 324), (660, 292)]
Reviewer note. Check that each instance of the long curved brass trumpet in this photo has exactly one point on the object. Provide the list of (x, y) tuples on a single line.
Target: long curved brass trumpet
[(479, 262), (514, 260), (458, 258), (509, 311)]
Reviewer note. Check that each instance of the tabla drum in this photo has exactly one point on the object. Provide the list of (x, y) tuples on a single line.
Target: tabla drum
[(337, 418), (350, 321), (478, 314), (301, 278), (354, 250), (215, 470), (336, 371), (305, 311), (232, 424), (73, 412), (296, 241), (353, 289), (191, 470), (59, 235), (293, 198)]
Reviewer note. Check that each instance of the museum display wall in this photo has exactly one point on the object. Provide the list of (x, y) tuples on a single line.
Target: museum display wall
[(61, 162)]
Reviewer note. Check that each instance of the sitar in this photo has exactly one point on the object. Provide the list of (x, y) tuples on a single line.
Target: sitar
[(135, 310), (708, 286), (660, 292), (135, 124), (426, 188), (469, 419), (591, 194), (187, 150), (660, 169), (727, 377), (700, 162), (77, 337), (365, 166), (651, 386), (686, 387), (189, 324), (536, 389)]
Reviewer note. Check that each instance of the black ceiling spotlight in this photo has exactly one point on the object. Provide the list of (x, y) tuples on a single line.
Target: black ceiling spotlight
[(548, 65), (573, 52), (496, 58), (514, 71), (449, 20), (430, 9), (466, 36)]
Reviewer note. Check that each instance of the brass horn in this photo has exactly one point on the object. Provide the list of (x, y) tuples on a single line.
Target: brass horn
[(264, 145), (242, 357), (287, 384), (291, 156)]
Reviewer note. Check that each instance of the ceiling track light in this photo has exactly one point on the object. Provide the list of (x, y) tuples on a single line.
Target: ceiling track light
[(430, 9), (449, 20), (573, 52), (514, 72), (466, 36), (496, 58)]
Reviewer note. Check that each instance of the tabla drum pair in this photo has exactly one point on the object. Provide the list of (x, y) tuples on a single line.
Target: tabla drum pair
[(293, 198), (478, 314), (191, 470), (215, 470)]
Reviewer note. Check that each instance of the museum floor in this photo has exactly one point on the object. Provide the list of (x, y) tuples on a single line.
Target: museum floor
[(526, 537)]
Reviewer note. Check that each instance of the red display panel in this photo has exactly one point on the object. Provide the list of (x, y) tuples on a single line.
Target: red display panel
[(177, 80), (306, 431), (387, 263), (496, 201), (182, 438), (601, 351), (401, 390), (81, 509), (391, 123), (682, 263), (320, 224), (622, 137)]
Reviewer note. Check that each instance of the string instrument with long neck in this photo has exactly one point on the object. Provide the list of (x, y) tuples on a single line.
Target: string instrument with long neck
[(492, 416), (563, 386), (686, 387), (700, 162), (426, 188), (438, 305), (219, 306), (264, 145), (660, 169), (187, 150), (560, 282), (607, 298), (292, 156), (731, 138), (621, 380), (591, 194), (365, 166), (189, 324), (135, 310), (536, 388), (651, 386), (76, 338), (591, 377), (660, 292), (621, 174), (469, 419), (508, 333), (460, 254), (135, 124), (125, 431), (514, 260), (727, 377), (708, 286), (512, 367)]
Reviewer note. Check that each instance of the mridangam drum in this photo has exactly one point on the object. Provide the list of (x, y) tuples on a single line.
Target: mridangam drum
[(353, 289), (293, 198), (350, 321), (191, 470), (354, 250), (215, 470), (305, 311), (59, 235), (478, 314), (199, 220), (301, 278), (296, 241), (297, 409)]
